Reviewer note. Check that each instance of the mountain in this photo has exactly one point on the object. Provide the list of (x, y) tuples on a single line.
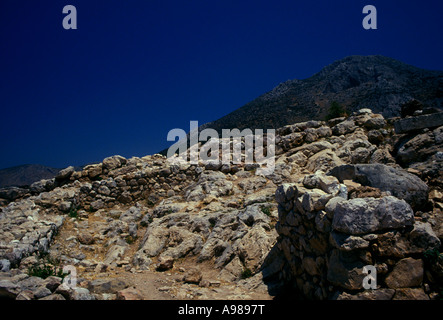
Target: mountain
[(380, 83), (25, 174)]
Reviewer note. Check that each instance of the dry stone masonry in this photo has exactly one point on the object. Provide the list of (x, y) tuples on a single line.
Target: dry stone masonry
[(327, 239)]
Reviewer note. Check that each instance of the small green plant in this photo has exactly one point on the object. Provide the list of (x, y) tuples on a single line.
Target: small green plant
[(266, 211), (46, 267), (246, 273), (73, 213), (130, 239), (432, 256)]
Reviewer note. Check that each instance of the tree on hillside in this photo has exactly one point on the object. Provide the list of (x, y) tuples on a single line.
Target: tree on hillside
[(336, 110)]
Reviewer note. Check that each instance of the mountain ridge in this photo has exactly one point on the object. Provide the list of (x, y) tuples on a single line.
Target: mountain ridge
[(26, 174), (377, 82)]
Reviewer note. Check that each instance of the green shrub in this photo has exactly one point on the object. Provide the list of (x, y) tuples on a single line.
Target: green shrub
[(336, 110), (73, 212), (431, 256), (46, 267), (246, 273), (266, 211), (130, 239)]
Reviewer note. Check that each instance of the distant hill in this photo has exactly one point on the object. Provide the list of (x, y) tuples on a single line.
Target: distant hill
[(25, 175), (380, 83)]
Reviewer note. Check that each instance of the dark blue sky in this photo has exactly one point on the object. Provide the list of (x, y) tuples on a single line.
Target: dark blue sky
[(135, 69)]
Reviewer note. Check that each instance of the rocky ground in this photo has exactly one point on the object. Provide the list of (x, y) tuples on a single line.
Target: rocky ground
[(146, 228)]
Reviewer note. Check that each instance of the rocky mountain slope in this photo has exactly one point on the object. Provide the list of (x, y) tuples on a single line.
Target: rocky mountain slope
[(149, 228), (380, 83)]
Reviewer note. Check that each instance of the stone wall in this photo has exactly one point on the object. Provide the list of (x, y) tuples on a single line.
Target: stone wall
[(329, 230)]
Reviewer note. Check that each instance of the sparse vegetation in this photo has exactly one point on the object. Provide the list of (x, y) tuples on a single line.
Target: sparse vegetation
[(246, 273), (46, 267), (336, 110), (130, 239), (266, 211), (73, 212), (432, 256)]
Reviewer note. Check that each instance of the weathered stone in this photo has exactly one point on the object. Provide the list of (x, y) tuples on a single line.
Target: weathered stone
[(129, 294), (41, 292), (310, 266), (419, 122), (5, 265), (344, 127), (125, 197), (418, 148), (365, 215), (8, 289), (79, 293), (315, 199), (323, 160), (114, 254), (85, 238), (347, 242), (285, 192), (97, 205), (375, 122), (93, 171), (104, 190), (410, 294), (399, 182), (408, 272), (254, 245), (331, 205), (25, 295), (106, 285), (114, 162), (65, 173), (65, 206), (54, 296), (345, 270), (193, 276), (423, 237), (165, 263), (379, 294), (53, 282)]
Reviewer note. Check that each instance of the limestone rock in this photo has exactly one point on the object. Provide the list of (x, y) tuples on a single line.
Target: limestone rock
[(129, 294), (114, 162), (345, 270), (419, 122), (408, 272), (410, 294), (399, 182), (366, 215), (193, 276), (106, 285), (165, 263), (65, 173)]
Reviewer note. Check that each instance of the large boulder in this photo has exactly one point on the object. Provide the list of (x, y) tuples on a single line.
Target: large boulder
[(65, 173), (399, 182), (419, 122), (420, 147), (366, 215)]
